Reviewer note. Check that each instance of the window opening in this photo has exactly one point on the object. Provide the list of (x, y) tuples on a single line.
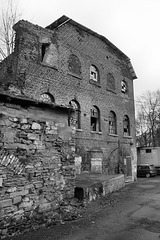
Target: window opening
[(112, 123), (47, 98), (94, 73), (126, 126), (95, 119), (76, 114), (123, 87), (45, 47)]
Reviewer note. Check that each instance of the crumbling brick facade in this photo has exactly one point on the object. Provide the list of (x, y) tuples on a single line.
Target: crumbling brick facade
[(75, 64), (60, 65)]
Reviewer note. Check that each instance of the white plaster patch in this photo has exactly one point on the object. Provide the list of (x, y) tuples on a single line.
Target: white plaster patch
[(78, 161), (1, 181)]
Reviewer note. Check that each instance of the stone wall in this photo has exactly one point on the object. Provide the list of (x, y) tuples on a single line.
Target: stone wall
[(37, 169)]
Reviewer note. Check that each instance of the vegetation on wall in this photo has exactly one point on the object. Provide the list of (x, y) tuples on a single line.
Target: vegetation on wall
[(8, 17)]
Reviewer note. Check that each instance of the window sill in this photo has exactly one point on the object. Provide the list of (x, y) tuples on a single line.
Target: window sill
[(113, 135), (75, 75), (129, 137), (100, 133), (124, 94), (79, 130), (95, 83), (48, 65)]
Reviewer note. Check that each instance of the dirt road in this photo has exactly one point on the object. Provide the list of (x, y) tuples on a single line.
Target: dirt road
[(131, 214)]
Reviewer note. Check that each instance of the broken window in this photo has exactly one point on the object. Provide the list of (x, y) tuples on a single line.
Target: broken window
[(112, 123), (44, 50), (75, 115), (123, 87), (94, 74), (95, 119), (126, 126), (47, 98)]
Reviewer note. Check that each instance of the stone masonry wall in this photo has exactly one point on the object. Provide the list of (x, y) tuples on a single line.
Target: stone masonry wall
[(36, 167)]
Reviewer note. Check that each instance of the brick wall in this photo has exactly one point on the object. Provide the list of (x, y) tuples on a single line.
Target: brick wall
[(54, 76), (37, 169)]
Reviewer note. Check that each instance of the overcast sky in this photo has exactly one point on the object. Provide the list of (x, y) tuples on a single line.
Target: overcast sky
[(132, 25)]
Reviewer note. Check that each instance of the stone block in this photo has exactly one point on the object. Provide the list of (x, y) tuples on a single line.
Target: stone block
[(19, 212), (9, 135), (48, 144), (26, 205), (23, 120), (33, 136), (26, 199), (17, 200), (2, 123), (52, 131), (6, 203), (39, 145), (50, 138), (43, 207), (11, 189), (25, 126), (36, 126), (38, 164), (38, 184), (60, 125), (29, 186), (20, 193), (31, 147), (10, 209), (13, 119)]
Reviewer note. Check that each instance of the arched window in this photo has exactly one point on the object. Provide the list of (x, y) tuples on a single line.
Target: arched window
[(47, 98), (123, 86), (94, 73), (95, 119), (110, 82), (75, 116), (74, 64), (112, 123), (126, 126)]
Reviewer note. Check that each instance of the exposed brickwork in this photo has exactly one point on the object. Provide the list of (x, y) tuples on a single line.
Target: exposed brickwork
[(37, 148), (55, 75)]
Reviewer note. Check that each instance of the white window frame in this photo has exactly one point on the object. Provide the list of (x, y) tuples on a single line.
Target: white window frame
[(93, 73)]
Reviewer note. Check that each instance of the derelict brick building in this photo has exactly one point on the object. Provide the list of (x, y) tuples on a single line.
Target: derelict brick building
[(68, 63)]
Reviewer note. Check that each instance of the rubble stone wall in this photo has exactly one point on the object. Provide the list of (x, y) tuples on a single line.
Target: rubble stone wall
[(36, 166)]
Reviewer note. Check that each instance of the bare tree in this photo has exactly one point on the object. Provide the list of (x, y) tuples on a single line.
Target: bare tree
[(8, 17), (148, 119)]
